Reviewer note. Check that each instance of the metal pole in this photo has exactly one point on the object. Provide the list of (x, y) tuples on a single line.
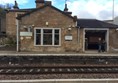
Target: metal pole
[(113, 12), (17, 37), (65, 1)]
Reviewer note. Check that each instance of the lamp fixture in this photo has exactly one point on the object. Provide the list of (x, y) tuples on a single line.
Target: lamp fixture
[(47, 23), (117, 29), (69, 29), (24, 27), (32, 25)]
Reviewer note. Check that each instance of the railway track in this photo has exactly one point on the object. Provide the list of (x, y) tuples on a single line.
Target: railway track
[(76, 65), (59, 70)]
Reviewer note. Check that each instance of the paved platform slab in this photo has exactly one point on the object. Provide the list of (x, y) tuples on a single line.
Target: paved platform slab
[(14, 53), (62, 81)]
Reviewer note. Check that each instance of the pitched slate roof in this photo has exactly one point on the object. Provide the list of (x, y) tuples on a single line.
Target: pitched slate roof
[(93, 23), (20, 10), (36, 9)]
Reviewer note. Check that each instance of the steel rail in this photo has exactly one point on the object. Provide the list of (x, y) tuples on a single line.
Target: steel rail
[(59, 70)]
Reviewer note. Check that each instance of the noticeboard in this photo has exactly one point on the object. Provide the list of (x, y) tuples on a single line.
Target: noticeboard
[(68, 38), (26, 34)]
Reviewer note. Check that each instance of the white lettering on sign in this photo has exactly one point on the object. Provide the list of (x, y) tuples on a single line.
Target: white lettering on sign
[(25, 33), (68, 37)]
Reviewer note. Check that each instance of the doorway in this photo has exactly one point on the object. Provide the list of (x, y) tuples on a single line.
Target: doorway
[(91, 39)]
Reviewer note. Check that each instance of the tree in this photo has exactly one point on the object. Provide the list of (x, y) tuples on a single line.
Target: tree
[(4, 7), (1, 11), (8, 6)]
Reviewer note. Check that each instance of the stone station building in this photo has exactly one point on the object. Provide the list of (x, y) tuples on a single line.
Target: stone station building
[(48, 29)]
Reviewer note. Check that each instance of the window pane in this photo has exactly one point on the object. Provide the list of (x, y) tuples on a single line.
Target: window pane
[(56, 37), (47, 30), (56, 31), (56, 41), (47, 39), (38, 39), (38, 30)]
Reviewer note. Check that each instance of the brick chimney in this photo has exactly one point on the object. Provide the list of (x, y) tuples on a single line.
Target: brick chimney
[(16, 5), (66, 10), (39, 3)]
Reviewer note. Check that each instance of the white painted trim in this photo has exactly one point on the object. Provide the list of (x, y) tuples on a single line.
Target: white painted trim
[(60, 32), (57, 80), (34, 36), (83, 39), (78, 36), (108, 40), (53, 38), (42, 36), (96, 29)]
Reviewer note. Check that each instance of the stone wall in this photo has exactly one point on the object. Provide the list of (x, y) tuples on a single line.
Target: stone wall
[(11, 24), (56, 20), (80, 37), (113, 40), (2, 24)]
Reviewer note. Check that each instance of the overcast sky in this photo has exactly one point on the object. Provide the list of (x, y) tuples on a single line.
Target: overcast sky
[(95, 9)]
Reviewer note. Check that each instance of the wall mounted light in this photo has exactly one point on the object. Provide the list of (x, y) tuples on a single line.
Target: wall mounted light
[(117, 29), (72, 26), (46, 23), (32, 25), (24, 27), (69, 29)]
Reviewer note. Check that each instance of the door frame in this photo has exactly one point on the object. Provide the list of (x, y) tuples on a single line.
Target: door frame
[(106, 36)]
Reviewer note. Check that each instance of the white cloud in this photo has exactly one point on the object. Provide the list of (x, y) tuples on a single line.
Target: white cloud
[(98, 9), (12, 1)]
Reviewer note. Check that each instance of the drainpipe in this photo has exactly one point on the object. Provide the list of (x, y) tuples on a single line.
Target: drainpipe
[(17, 34), (79, 37), (113, 12)]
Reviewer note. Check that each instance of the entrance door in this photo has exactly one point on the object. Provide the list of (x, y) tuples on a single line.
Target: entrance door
[(92, 38)]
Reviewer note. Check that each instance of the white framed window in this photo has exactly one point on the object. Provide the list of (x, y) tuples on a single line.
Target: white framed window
[(47, 37)]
